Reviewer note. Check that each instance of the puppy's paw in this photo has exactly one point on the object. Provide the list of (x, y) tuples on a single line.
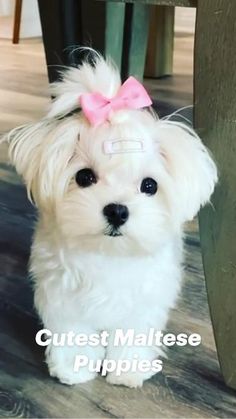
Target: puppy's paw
[(67, 376), (61, 364), (132, 380)]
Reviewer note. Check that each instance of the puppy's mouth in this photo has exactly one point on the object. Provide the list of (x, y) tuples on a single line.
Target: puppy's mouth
[(113, 232)]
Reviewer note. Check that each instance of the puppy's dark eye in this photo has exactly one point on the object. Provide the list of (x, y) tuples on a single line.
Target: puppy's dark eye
[(85, 178), (149, 186)]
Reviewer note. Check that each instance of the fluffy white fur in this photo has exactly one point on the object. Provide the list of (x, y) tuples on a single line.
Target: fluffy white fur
[(86, 281)]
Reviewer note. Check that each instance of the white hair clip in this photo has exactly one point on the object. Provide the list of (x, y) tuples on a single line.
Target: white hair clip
[(123, 146)]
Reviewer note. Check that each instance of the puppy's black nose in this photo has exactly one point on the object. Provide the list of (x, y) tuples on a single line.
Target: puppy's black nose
[(116, 214)]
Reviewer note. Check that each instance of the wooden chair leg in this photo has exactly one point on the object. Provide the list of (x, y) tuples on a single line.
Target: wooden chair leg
[(137, 40), (17, 21), (215, 116), (159, 60)]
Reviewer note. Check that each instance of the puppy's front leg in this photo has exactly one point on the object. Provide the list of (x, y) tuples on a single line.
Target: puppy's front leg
[(61, 319), (62, 360), (131, 371)]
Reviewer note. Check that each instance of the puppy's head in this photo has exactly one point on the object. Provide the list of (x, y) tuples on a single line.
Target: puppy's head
[(122, 186)]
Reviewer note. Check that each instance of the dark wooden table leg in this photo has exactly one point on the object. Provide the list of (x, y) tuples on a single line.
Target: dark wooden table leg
[(135, 39), (103, 28), (215, 119), (62, 31), (69, 24), (17, 21)]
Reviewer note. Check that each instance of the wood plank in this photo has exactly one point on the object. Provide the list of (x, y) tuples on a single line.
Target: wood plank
[(215, 116)]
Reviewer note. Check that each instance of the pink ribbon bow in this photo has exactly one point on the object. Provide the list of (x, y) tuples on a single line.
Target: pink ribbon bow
[(131, 95)]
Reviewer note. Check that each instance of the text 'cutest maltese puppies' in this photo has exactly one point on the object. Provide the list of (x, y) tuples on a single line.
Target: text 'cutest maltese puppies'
[(113, 185)]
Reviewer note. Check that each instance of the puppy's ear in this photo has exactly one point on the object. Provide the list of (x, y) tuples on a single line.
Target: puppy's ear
[(40, 153), (25, 147), (190, 167)]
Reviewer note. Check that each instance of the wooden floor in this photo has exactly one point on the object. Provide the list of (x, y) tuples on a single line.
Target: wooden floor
[(190, 385)]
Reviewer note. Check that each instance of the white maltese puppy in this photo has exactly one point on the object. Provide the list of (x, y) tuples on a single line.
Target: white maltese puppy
[(113, 185)]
